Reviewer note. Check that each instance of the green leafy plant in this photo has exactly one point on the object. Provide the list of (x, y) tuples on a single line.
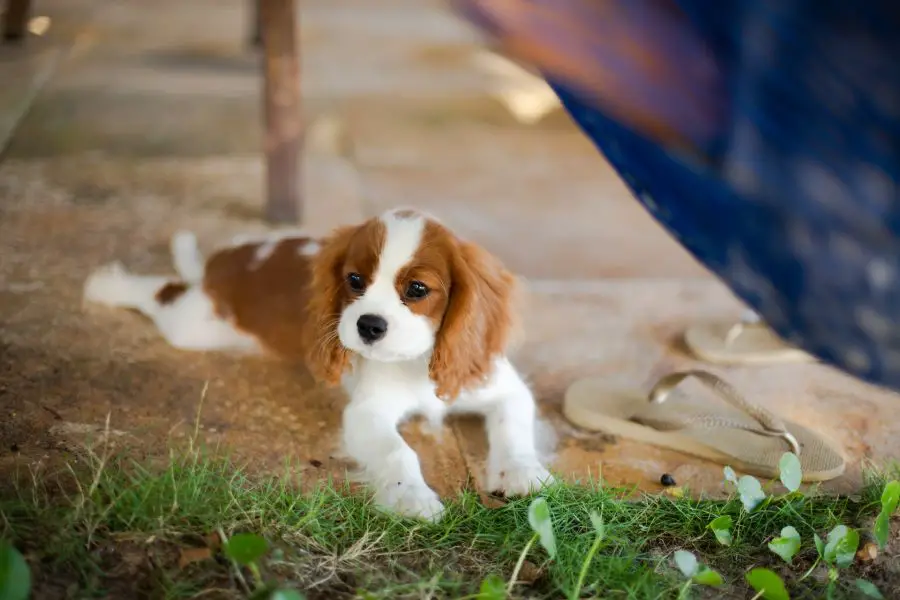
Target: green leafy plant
[(749, 489), (838, 551), (15, 576), (787, 544), (868, 589), (890, 498), (599, 535), (840, 546), (695, 572), (721, 528), (492, 588), (768, 584), (246, 550), (541, 523), (605, 539)]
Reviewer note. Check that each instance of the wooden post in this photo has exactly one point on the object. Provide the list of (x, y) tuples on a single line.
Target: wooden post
[(283, 119), (15, 20), (255, 37)]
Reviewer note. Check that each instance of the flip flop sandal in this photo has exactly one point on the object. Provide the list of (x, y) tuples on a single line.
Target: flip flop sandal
[(735, 432), (749, 341)]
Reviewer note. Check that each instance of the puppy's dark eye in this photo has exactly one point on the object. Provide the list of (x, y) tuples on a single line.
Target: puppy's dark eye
[(356, 282), (416, 290)]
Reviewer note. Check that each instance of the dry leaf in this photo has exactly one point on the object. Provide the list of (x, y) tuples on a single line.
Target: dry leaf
[(867, 553), (192, 555), (213, 541), (529, 573), (675, 492), (490, 501)]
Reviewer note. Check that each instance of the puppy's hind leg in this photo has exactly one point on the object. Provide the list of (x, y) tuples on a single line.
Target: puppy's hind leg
[(187, 318), (182, 313)]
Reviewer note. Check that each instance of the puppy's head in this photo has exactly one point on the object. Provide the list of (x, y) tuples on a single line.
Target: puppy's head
[(402, 287)]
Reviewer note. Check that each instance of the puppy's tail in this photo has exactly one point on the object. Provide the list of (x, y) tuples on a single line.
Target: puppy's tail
[(189, 261), (112, 285)]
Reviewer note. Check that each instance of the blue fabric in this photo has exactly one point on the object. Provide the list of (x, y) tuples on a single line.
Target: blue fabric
[(795, 206)]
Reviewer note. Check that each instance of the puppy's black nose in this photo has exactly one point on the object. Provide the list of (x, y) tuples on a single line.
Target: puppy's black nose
[(371, 328)]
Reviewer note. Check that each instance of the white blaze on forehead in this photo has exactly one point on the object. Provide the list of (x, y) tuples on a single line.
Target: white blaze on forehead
[(402, 237)]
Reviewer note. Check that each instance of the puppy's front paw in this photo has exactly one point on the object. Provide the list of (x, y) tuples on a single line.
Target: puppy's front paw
[(518, 477), (417, 501)]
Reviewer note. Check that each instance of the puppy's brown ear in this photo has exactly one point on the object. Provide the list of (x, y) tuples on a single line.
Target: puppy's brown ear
[(326, 358), (477, 323)]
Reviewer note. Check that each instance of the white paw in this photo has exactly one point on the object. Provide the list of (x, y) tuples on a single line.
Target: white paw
[(417, 501), (518, 477)]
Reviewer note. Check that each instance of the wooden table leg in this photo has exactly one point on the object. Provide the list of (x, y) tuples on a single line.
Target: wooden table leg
[(283, 119), (15, 20)]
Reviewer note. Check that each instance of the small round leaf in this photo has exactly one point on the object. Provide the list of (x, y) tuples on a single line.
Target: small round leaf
[(790, 472), (868, 589), (767, 584), (721, 527), (841, 545), (708, 577), (730, 475), (15, 576), (890, 497), (492, 588), (286, 595), (246, 548), (686, 563), (751, 492), (542, 524), (787, 545)]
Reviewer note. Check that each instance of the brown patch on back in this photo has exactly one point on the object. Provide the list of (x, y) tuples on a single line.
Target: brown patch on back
[(266, 297), (171, 292)]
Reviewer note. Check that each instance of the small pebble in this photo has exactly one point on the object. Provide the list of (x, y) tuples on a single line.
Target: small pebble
[(667, 480)]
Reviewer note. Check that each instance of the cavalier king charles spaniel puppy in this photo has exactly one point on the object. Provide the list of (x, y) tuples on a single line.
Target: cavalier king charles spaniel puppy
[(407, 317)]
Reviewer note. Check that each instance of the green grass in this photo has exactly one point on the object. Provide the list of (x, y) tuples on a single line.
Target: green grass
[(118, 525)]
